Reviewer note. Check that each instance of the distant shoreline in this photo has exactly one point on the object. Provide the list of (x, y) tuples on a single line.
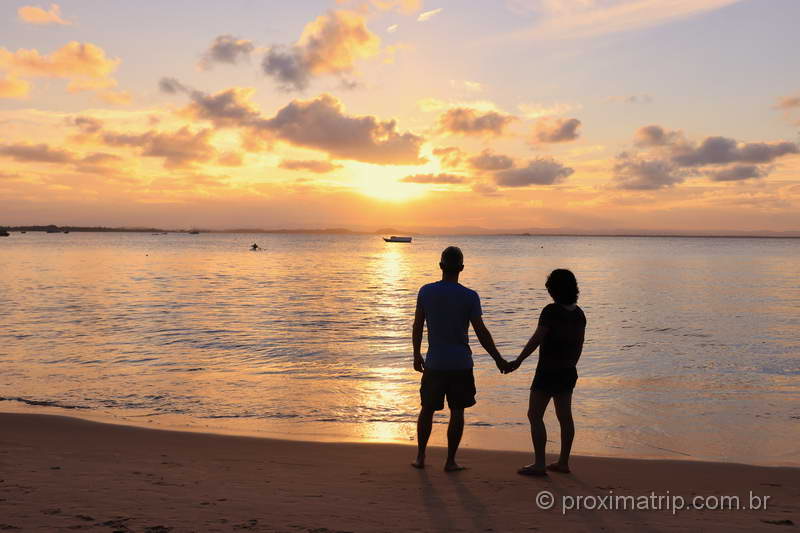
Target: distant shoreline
[(342, 231)]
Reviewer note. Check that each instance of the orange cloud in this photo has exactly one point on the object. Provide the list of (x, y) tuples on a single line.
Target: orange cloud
[(40, 16), (331, 44), (12, 87), (467, 121), (84, 65)]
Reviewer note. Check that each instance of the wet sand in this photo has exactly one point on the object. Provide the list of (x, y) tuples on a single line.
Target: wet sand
[(59, 474)]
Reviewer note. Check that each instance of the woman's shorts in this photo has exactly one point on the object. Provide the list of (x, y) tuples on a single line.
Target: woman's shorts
[(554, 381)]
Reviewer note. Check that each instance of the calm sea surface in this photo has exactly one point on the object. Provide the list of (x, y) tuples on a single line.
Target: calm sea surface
[(693, 345)]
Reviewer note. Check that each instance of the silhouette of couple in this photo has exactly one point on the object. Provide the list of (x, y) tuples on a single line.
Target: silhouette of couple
[(449, 308)]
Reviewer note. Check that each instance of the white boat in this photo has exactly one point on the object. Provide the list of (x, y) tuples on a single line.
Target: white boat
[(395, 238)]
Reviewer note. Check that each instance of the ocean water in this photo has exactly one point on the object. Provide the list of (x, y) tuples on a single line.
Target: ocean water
[(692, 345)]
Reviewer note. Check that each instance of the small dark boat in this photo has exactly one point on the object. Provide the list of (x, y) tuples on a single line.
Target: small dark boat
[(66, 231), (194, 232), (395, 238), (4, 233), (23, 232)]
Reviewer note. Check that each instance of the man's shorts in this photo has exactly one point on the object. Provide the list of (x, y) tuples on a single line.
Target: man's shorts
[(457, 385)]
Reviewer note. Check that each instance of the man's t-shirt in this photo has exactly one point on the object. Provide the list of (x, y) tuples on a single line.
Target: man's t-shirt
[(448, 307), (562, 344)]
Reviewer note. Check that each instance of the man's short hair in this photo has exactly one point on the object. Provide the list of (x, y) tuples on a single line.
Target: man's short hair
[(452, 260)]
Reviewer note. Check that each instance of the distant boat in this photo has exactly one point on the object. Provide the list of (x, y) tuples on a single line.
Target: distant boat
[(395, 238), (194, 232), (66, 231), (4, 233), (23, 232)]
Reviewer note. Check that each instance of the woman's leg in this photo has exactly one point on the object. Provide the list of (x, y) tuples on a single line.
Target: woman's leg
[(563, 404), (536, 407)]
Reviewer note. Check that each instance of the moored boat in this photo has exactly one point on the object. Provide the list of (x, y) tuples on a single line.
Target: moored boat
[(395, 238)]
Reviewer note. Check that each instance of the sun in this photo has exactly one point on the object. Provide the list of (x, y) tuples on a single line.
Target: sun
[(383, 182)]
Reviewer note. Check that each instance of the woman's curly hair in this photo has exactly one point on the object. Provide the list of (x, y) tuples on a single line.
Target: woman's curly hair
[(562, 286)]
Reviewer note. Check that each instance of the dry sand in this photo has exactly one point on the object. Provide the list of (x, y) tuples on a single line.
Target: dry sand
[(59, 474)]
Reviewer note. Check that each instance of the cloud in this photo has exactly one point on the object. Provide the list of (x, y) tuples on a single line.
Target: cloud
[(171, 86), (450, 156), (313, 165), (226, 49), (634, 173), (392, 28), (230, 159), (322, 124), (670, 158), (485, 189), (488, 160), (723, 150), (565, 19), (467, 121), (12, 87), (86, 124), (632, 99), (93, 163), (40, 16), (35, 153), (556, 130), (84, 65), (539, 171), (788, 102), (329, 45), (738, 173), (427, 15), (179, 149), (655, 135), (227, 108), (439, 179), (402, 6)]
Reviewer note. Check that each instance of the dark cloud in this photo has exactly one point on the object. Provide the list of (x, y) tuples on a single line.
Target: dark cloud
[(86, 124), (228, 108), (179, 149), (171, 86), (556, 130), (634, 173), (226, 49), (312, 165), (467, 121), (486, 189), (93, 163), (322, 124), (434, 178), (539, 171), (36, 153), (488, 160), (738, 173), (288, 67), (723, 150), (654, 135), (671, 159)]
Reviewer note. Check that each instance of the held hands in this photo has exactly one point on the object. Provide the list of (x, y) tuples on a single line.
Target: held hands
[(506, 367), (419, 362)]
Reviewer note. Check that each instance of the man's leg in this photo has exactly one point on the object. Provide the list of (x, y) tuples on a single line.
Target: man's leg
[(454, 431), (424, 425)]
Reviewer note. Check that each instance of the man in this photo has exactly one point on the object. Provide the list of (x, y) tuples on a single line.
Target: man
[(448, 307)]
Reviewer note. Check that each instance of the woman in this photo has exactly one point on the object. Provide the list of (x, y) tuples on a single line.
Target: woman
[(559, 337)]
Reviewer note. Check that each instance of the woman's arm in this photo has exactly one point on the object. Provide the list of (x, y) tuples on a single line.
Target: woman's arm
[(530, 347)]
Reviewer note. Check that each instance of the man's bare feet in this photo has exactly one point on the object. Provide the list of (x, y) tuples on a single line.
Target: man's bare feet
[(454, 467), (419, 463), (558, 467)]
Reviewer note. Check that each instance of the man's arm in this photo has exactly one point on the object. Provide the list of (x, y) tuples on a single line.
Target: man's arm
[(486, 340), (416, 338)]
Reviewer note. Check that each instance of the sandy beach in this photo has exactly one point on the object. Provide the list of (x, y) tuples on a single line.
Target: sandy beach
[(59, 473)]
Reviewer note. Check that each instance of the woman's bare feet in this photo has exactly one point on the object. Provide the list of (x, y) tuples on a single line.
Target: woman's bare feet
[(532, 470), (419, 463), (558, 467)]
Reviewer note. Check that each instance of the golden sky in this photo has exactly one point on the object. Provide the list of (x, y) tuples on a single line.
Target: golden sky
[(668, 115)]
